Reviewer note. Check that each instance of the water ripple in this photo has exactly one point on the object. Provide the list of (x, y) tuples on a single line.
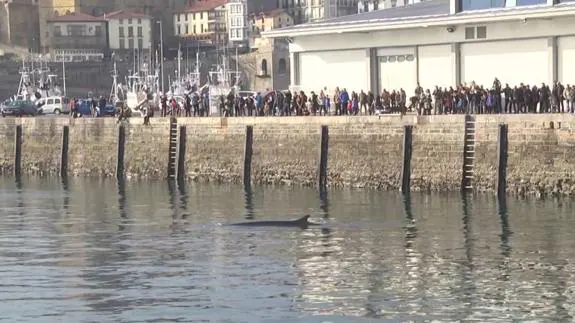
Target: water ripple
[(90, 251)]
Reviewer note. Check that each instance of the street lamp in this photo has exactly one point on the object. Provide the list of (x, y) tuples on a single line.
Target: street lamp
[(161, 53)]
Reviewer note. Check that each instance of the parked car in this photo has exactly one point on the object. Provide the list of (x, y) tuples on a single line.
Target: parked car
[(53, 105), (19, 108)]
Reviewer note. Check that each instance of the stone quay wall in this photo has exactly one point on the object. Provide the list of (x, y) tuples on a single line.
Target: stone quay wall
[(364, 152)]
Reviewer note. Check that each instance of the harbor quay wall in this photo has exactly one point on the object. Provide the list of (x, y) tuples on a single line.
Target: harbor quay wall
[(363, 152)]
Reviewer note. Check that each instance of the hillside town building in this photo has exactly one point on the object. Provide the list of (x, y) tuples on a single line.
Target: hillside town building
[(202, 23), (436, 43)]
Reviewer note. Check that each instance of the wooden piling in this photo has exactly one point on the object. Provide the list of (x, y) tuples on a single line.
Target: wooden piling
[(322, 180), (248, 152), (407, 152), (181, 167), (121, 152), (502, 154), (18, 151), (64, 151)]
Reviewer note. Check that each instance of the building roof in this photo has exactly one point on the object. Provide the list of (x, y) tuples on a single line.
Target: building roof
[(422, 14), (202, 6), (123, 14), (272, 13), (76, 17)]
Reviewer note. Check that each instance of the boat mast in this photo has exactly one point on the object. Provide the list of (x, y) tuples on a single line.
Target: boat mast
[(114, 91), (179, 61), (64, 75)]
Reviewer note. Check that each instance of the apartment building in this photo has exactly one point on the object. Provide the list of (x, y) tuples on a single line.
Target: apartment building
[(78, 31), (128, 31), (237, 22), (269, 20), (202, 23)]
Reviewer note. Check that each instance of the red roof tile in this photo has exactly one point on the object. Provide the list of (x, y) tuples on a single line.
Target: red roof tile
[(123, 14), (76, 17), (202, 6)]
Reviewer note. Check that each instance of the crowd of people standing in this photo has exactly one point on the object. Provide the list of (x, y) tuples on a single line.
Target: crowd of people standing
[(463, 99)]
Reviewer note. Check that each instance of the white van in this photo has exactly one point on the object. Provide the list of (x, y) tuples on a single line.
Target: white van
[(54, 105)]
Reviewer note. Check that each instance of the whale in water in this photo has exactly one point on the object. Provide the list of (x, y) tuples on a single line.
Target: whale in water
[(302, 222)]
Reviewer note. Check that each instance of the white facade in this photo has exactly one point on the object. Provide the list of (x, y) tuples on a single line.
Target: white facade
[(130, 33), (237, 21), (530, 48), (347, 69)]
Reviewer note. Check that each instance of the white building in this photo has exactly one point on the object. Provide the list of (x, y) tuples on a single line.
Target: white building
[(237, 22), (372, 5), (128, 30), (436, 42)]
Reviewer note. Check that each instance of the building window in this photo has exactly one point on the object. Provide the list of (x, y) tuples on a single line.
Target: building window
[(140, 43), (282, 66), (264, 67), (187, 29), (130, 21), (130, 31), (121, 21), (481, 32), (139, 21), (76, 30), (98, 31), (131, 42), (57, 31), (179, 30), (481, 4), (194, 29), (122, 43), (121, 31), (528, 3), (140, 31), (469, 32)]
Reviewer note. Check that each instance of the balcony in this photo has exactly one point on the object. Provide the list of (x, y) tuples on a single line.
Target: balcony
[(79, 42)]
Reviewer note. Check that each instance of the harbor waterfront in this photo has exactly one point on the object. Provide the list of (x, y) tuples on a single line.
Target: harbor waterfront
[(362, 152)]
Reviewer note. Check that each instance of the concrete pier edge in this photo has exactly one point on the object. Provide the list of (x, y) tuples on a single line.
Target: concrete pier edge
[(365, 151)]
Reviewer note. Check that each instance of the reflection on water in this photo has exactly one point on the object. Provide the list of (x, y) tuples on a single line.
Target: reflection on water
[(249, 202), (93, 250)]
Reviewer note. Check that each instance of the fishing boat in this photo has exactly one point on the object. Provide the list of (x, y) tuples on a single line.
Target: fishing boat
[(139, 91), (188, 82), (222, 81), (36, 80)]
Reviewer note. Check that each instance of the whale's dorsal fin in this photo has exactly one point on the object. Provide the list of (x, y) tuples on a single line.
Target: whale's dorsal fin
[(304, 219)]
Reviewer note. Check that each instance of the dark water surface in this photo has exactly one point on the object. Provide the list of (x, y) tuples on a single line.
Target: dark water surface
[(95, 251)]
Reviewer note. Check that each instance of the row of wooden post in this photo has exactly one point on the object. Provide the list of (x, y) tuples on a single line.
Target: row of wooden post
[(322, 172), (405, 181), (502, 154)]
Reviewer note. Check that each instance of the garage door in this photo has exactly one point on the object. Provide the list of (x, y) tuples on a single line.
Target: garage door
[(512, 62), (398, 70), (566, 56), (435, 66), (346, 69)]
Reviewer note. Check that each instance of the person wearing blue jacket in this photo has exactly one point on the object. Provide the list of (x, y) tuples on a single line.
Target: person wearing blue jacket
[(344, 99)]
